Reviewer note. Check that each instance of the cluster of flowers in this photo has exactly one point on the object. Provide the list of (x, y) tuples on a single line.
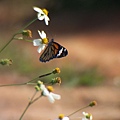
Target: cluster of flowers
[(86, 116), (48, 91), (42, 14), (41, 43)]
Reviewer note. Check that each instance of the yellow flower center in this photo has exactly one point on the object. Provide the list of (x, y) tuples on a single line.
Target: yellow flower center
[(45, 11), (50, 88), (61, 116), (44, 40)]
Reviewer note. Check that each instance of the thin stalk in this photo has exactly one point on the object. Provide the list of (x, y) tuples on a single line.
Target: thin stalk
[(29, 24), (26, 83), (8, 42), (45, 74), (24, 40), (36, 99), (40, 77), (30, 102), (78, 110), (8, 85), (17, 33), (19, 84)]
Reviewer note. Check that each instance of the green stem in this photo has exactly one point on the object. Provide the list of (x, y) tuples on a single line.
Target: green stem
[(8, 42), (45, 74), (26, 83), (30, 102), (23, 39), (8, 85), (36, 99), (40, 77), (29, 24), (19, 84), (78, 110), (17, 33)]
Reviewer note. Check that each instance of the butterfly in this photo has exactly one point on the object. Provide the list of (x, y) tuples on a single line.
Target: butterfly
[(53, 50)]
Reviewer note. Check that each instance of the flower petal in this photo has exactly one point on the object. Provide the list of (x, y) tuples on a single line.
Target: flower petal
[(55, 96), (50, 98), (42, 34), (38, 10), (43, 46), (65, 118), (42, 87), (40, 48), (37, 42), (45, 92), (46, 19), (84, 118)]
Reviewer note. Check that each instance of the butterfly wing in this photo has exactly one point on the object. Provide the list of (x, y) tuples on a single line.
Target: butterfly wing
[(53, 50)]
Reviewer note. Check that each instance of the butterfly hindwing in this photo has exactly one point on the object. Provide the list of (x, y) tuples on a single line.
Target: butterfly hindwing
[(53, 50)]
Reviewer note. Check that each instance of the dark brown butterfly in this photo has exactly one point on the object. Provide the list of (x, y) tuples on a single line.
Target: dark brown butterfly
[(53, 50)]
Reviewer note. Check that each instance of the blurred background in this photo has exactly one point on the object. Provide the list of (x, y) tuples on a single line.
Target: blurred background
[(90, 30)]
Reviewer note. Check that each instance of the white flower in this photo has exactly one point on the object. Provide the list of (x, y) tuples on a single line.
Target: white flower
[(66, 118), (42, 14), (87, 116), (41, 43), (51, 96), (61, 117)]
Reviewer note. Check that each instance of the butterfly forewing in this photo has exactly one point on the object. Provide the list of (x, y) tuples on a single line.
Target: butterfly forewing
[(53, 50), (62, 53)]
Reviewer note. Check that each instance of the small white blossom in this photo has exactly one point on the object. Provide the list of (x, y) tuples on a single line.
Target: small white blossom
[(66, 118), (87, 116), (41, 43), (62, 117), (42, 14), (51, 96)]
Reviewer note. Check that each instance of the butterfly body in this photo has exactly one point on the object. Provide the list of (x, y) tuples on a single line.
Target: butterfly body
[(53, 50)]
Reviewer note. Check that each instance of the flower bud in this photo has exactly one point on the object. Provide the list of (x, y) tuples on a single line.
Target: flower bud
[(56, 80), (39, 83), (6, 62), (93, 103), (27, 33), (56, 70), (37, 88)]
